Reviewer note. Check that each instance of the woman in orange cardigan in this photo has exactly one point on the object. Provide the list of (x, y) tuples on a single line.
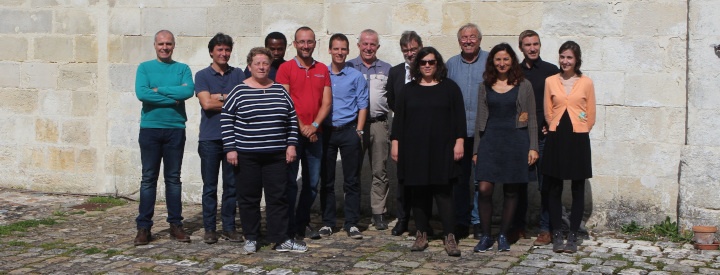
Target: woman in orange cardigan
[(570, 115)]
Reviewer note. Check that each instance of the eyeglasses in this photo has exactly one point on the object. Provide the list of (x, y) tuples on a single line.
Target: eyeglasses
[(427, 62), (414, 50), (471, 38)]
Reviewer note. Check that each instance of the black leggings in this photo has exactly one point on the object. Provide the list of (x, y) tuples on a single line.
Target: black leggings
[(422, 198), (485, 204), (555, 189)]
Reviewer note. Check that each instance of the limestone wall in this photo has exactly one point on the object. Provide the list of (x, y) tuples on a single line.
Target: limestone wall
[(69, 115)]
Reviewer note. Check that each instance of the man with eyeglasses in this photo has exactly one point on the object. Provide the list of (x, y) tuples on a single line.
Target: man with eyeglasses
[(308, 83), (375, 135), (467, 69), (398, 76)]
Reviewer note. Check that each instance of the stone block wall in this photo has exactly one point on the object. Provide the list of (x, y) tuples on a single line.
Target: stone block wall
[(70, 117)]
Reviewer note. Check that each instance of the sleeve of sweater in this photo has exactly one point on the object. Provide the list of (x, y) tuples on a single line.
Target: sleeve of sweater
[(481, 109), (591, 115), (145, 93), (180, 92), (227, 120), (529, 101)]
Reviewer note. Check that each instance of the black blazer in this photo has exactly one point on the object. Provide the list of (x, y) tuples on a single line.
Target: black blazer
[(395, 83)]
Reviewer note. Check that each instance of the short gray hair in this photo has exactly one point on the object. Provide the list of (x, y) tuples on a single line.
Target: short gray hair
[(371, 32), (469, 26)]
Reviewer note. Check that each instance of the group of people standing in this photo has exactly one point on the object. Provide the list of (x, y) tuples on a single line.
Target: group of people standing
[(480, 113)]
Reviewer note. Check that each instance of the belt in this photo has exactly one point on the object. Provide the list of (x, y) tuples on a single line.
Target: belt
[(351, 124), (378, 118)]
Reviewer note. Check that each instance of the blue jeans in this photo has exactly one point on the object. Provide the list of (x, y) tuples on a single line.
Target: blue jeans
[(166, 146), (310, 154), (211, 157), (461, 195), (544, 205)]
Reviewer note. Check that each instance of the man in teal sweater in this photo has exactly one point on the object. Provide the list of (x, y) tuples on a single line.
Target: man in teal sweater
[(162, 85)]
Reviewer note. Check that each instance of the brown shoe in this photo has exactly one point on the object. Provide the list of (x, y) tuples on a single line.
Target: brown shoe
[(210, 237), (451, 246), (143, 236), (522, 235), (544, 238), (421, 241), (178, 233), (233, 236)]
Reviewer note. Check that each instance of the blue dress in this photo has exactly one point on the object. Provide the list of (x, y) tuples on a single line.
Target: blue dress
[(502, 154)]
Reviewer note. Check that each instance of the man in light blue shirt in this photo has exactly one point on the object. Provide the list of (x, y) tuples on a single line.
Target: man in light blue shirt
[(342, 131), (467, 69), (376, 137)]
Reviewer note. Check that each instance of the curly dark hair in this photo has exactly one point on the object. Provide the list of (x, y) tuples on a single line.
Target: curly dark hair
[(514, 75), (575, 49), (440, 73)]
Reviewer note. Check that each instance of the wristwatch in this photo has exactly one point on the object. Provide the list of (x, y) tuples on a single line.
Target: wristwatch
[(314, 124), (360, 132), (222, 98)]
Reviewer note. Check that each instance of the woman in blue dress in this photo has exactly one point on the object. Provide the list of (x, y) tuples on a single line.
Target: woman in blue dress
[(506, 142)]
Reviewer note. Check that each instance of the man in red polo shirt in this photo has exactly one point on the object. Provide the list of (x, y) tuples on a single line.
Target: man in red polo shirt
[(308, 82)]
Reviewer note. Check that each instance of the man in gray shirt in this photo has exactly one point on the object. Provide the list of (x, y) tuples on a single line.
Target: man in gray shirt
[(467, 69), (375, 133)]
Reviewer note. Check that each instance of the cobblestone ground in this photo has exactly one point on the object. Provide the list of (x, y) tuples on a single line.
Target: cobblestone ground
[(91, 242)]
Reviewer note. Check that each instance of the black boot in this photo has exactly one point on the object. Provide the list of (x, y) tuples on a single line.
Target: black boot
[(571, 244), (558, 246), (400, 228), (379, 222)]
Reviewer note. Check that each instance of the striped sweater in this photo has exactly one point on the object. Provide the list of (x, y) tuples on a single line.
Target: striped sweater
[(260, 120)]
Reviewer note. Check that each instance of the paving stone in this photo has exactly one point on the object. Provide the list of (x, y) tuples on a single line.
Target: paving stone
[(692, 263), (615, 263), (499, 264), (560, 258), (633, 271), (596, 249), (651, 254), (280, 271), (641, 243), (591, 261), (639, 247), (701, 257), (644, 265), (679, 268), (555, 271), (663, 260), (659, 273), (601, 255), (617, 245), (538, 257), (523, 270), (406, 264), (571, 267), (536, 263), (368, 265), (489, 270), (705, 270), (604, 269)]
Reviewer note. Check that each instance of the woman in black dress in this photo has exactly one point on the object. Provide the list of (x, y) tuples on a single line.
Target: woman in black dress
[(570, 113), (427, 143), (506, 143)]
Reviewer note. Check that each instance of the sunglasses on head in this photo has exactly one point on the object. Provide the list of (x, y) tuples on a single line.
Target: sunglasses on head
[(426, 62)]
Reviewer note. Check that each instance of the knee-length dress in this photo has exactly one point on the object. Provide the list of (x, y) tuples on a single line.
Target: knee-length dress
[(502, 155), (428, 120)]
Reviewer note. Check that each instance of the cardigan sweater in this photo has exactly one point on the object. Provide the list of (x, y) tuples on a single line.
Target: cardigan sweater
[(525, 116), (580, 103)]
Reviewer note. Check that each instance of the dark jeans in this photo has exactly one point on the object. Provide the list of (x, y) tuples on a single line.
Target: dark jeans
[(310, 154), (254, 172), (166, 146), (347, 141), (211, 157), (461, 191)]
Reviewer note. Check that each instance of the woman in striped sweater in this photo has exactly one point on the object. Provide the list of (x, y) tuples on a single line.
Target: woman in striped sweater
[(260, 132)]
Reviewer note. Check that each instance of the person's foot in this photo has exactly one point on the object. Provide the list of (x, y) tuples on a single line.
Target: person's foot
[(477, 231), (143, 236), (210, 237), (544, 238), (354, 232), (571, 244), (325, 231), (557, 240), (233, 236), (462, 231), (484, 244), (515, 235), (379, 222), (400, 228), (451, 246), (421, 241), (178, 233), (311, 233), (250, 247), (292, 246), (503, 244)]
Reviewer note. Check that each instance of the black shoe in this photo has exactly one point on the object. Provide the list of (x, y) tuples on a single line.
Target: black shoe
[(557, 241), (462, 231), (379, 222), (210, 237), (400, 228), (571, 244), (233, 236), (312, 233), (477, 231)]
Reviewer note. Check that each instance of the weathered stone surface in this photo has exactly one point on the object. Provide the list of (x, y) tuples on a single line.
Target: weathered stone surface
[(184, 21), (19, 101), (54, 48), (86, 49), (696, 182), (27, 21), (39, 75), (74, 21)]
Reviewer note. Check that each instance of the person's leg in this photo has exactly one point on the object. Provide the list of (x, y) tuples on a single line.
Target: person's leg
[(249, 193), (578, 204), (349, 144), (328, 206), (519, 220), (443, 195), (402, 208), (379, 148), (210, 158), (273, 171), (544, 210), (421, 206), (511, 192), (485, 205), (311, 162), (555, 188), (150, 158), (461, 192), (173, 150), (229, 207), (292, 186)]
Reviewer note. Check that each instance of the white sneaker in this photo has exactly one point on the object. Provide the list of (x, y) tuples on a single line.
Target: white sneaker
[(292, 246), (250, 247), (354, 233), (325, 231)]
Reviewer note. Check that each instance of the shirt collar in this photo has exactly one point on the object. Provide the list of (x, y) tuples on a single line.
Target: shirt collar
[(229, 69), (342, 72), (534, 64), (300, 65), (475, 60)]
